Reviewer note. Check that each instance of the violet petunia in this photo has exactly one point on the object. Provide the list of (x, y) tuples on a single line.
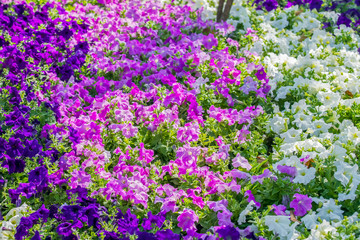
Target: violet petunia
[(301, 204)]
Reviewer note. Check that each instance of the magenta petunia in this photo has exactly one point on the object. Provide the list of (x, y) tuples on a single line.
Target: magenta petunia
[(301, 204), (280, 210), (187, 220)]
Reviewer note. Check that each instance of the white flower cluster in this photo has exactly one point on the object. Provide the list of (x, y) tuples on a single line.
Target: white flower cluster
[(313, 74)]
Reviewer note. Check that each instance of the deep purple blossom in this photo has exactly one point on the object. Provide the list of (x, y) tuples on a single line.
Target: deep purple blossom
[(157, 220), (167, 235), (228, 232), (23, 227), (127, 223), (66, 33), (14, 148), (71, 212), (343, 19), (83, 46), (110, 235), (270, 5), (90, 215), (38, 175), (64, 229), (146, 236), (315, 4), (36, 236), (14, 195), (26, 189), (66, 72), (16, 165), (41, 214)]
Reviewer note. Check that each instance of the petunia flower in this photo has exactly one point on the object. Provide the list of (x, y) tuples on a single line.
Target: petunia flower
[(278, 224), (240, 161), (187, 219), (301, 204)]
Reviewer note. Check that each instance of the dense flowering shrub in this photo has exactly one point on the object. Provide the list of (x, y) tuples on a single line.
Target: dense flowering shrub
[(148, 120)]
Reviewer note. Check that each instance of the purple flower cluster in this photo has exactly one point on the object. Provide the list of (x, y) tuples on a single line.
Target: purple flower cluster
[(107, 138)]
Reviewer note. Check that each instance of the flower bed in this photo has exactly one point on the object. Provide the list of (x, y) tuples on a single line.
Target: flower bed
[(145, 120)]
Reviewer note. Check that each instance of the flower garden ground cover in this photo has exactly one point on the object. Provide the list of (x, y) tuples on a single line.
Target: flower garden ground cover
[(145, 120)]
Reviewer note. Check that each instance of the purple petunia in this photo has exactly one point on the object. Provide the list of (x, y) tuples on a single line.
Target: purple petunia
[(127, 223), (228, 232), (301, 204), (187, 220), (167, 235), (291, 171), (38, 175), (280, 210), (270, 5), (157, 220), (210, 41)]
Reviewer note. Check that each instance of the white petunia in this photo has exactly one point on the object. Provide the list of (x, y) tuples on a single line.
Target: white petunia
[(200, 4), (293, 234), (345, 172), (323, 231), (278, 224), (319, 126), (208, 13), (19, 211), (278, 124), (280, 23), (311, 145), (233, 22), (310, 220), (311, 23), (315, 86), (338, 152), (323, 37), (291, 135), (282, 92), (330, 211), (353, 134), (302, 121), (304, 174), (329, 99), (350, 194), (299, 106), (15, 220), (246, 211)]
